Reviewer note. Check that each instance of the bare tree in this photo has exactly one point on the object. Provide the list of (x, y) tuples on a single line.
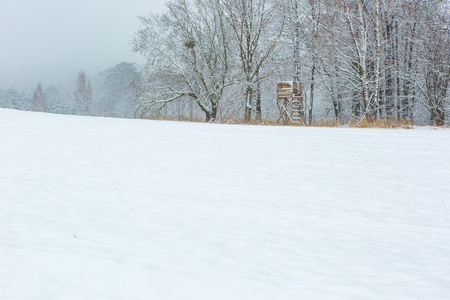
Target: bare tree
[(355, 32), (187, 55), (83, 94), (117, 95), (435, 81), (304, 18), (362, 59), (39, 99), (256, 34)]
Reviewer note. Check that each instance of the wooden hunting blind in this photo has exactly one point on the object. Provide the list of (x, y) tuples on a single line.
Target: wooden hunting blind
[(290, 102)]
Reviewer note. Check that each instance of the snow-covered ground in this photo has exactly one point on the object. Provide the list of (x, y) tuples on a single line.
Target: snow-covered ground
[(96, 208)]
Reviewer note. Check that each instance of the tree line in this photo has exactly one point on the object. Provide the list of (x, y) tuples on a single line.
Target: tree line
[(220, 60), (357, 59), (111, 93)]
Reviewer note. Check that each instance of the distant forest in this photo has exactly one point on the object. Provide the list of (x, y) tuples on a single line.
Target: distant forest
[(220, 61)]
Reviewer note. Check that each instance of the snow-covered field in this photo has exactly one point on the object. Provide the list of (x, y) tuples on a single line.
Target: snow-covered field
[(96, 208)]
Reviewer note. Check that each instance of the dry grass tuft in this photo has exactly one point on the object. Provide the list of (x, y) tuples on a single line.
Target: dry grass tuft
[(237, 121), (365, 123), (328, 123), (385, 123), (176, 119)]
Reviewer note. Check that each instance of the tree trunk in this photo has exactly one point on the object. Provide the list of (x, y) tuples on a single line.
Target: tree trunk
[(378, 47), (408, 98), (362, 61), (258, 102), (248, 104), (389, 89), (208, 117), (311, 94), (214, 110)]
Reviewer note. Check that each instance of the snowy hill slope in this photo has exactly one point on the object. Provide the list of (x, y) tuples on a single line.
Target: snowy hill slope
[(95, 208)]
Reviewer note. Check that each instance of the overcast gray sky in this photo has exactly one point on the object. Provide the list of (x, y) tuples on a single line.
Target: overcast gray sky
[(49, 41)]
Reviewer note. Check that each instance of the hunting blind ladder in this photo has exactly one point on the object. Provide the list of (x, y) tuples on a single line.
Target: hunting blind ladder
[(290, 102)]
